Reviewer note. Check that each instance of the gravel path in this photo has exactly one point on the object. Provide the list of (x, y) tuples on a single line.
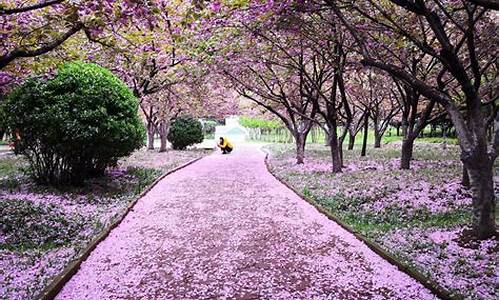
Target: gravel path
[(224, 228)]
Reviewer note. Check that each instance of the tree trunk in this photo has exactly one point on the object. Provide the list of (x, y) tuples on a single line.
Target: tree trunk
[(483, 196), (300, 146), (352, 139), (397, 130), (365, 136), (163, 137), (444, 139), (465, 177), (151, 136), (327, 140), (335, 152), (406, 153), (341, 145), (378, 140)]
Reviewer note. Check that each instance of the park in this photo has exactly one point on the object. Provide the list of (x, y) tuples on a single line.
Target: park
[(241, 149)]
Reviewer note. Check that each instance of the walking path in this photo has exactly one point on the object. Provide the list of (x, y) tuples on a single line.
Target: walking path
[(224, 228)]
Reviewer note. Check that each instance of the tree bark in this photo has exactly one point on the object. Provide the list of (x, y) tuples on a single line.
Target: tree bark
[(163, 136), (21, 9), (352, 140), (365, 135), (151, 136), (335, 152), (483, 196), (7, 58), (341, 140), (406, 152), (300, 147), (378, 140), (465, 177)]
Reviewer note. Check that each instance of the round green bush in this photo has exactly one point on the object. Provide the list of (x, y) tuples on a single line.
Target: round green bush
[(185, 131), (76, 124)]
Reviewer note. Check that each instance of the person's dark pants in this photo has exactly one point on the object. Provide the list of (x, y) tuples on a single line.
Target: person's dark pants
[(226, 150)]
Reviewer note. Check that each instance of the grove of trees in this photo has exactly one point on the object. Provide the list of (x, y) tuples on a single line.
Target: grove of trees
[(341, 65)]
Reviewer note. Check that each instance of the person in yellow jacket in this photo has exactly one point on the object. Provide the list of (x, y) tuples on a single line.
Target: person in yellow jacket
[(225, 145)]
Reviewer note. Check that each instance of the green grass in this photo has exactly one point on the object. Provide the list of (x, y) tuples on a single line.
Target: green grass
[(144, 177), (349, 209), (49, 226), (282, 136), (451, 141), (28, 225), (12, 170), (10, 166), (372, 224)]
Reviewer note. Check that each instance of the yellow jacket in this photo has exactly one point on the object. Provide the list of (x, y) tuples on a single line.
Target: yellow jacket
[(225, 144)]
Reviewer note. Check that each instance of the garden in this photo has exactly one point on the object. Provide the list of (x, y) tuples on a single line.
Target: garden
[(417, 215), (381, 114), (44, 228), (77, 171)]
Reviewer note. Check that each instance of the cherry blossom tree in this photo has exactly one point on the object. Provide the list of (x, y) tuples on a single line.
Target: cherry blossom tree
[(456, 37), (277, 89), (30, 29), (254, 62)]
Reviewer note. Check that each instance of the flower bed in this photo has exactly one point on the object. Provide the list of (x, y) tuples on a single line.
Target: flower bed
[(417, 214), (42, 229)]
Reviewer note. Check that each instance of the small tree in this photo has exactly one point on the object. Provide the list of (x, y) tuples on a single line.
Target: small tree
[(74, 125), (185, 131)]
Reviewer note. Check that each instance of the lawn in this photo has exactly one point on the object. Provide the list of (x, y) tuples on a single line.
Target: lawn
[(416, 215), (42, 229), (281, 135)]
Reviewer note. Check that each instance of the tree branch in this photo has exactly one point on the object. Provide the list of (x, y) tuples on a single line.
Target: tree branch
[(18, 53), (11, 11), (489, 4)]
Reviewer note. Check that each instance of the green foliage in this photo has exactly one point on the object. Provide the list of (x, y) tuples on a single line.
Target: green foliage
[(76, 124), (260, 123), (185, 131)]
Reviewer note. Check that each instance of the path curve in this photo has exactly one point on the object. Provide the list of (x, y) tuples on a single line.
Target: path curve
[(224, 228)]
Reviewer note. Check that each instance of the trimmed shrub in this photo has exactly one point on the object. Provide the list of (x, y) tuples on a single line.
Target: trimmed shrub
[(185, 131), (74, 125)]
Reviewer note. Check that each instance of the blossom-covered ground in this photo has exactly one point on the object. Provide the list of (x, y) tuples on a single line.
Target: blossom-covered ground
[(224, 228), (43, 229), (416, 214)]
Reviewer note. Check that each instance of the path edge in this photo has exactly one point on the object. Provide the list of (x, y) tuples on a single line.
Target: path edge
[(431, 285), (58, 282)]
